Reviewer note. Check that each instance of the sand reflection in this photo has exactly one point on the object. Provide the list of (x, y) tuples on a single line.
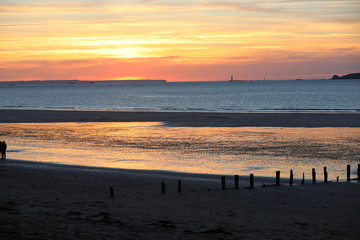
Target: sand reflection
[(149, 145)]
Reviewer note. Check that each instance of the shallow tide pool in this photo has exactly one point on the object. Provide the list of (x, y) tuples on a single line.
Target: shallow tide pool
[(233, 150)]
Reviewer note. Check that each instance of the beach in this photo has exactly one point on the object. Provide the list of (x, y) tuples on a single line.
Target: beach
[(57, 201), (152, 120), (49, 201)]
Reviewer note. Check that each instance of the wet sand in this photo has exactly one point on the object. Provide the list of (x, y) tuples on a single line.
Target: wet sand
[(217, 150), (188, 119), (49, 201)]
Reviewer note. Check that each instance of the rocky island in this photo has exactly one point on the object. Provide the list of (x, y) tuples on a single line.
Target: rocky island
[(348, 76)]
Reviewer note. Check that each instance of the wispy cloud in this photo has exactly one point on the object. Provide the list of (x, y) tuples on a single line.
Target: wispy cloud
[(298, 8), (243, 6)]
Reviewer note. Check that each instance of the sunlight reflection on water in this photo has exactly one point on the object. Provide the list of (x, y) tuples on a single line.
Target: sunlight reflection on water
[(141, 145)]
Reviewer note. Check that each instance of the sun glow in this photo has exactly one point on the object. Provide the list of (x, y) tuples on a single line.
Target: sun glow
[(128, 78), (192, 40)]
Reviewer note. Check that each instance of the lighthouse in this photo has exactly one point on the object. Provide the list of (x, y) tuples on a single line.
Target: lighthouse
[(231, 79)]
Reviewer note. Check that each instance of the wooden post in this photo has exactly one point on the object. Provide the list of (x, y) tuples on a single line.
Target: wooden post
[(163, 187), (337, 179), (359, 172), (236, 179), (303, 179), (313, 175), (111, 192), (291, 177), (325, 175), (223, 182), (277, 178), (348, 173), (251, 180), (179, 186)]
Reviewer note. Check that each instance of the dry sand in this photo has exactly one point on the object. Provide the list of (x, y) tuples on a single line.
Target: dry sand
[(48, 201)]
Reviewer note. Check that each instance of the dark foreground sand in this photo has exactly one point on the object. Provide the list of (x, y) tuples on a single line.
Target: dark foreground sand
[(188, 119), (44, 201)]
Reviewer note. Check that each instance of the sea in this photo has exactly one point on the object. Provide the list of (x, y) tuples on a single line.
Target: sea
[(153, 146), (224, 96)]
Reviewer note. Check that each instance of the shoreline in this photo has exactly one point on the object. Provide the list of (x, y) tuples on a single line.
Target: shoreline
[(45, 201), (187, 119), (244, 180), (166, 174)]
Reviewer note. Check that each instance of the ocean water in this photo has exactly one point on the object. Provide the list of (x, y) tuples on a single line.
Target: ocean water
[(297, 96), (261, 151)]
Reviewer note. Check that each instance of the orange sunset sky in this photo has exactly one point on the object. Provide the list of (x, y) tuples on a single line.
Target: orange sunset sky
[(178, 40)]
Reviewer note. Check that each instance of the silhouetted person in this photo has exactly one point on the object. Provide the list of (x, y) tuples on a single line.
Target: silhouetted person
[(3, 147)]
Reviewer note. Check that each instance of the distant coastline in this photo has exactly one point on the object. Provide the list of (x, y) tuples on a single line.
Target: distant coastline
[(76, 81)]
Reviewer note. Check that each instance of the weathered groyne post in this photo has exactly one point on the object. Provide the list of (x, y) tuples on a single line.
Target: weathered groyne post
[(348, 173), (325, 175), (223, 182), (236, 180), (313, 176), (251, 180), (277, 178), (291, 177), (303, 179), (163, 187)]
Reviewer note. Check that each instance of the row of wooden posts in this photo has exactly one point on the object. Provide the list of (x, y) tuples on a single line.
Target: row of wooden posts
[(291, 181), (277, 182)]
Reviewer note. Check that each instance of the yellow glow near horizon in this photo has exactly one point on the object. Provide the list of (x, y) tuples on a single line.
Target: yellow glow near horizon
[(128, 78), (168, 39)]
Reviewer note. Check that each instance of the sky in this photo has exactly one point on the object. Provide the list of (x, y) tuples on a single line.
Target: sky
[(195, 40)]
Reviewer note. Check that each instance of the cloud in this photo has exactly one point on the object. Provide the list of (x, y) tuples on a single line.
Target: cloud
[(243, 6), (86, 8), (154, 34), (303, 10)]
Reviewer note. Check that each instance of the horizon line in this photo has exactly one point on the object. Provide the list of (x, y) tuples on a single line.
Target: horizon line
[(164, 80)]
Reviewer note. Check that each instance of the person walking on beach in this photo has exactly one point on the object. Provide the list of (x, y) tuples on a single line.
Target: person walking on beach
[(3, 147)]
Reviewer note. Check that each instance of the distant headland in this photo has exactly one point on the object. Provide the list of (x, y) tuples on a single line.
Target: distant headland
[(76, 81), (347, 76)]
